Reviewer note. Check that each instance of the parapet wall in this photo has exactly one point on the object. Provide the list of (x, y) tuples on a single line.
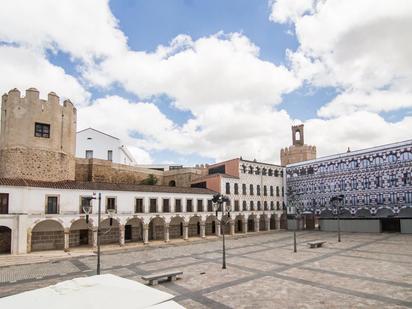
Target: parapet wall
[(295, 154)]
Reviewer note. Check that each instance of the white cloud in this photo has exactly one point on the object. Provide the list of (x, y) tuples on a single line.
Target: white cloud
[(289, 11), (23, 68)]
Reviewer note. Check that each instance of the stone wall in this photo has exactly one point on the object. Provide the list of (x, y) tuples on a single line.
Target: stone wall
[(110, 236), (156, 232), (295, 154), (74, 238), (36, 164), (175, 231), (183, 177), (47, 240), (193, 230)]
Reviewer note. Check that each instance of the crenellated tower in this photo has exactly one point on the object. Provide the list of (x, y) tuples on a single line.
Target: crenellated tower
[(37, 137), (298, 152)]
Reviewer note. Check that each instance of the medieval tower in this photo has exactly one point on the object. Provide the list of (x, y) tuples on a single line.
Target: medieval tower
[(298, 152), (37, 137)]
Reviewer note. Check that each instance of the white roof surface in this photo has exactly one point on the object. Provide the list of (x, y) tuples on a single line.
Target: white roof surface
[(95, 292)]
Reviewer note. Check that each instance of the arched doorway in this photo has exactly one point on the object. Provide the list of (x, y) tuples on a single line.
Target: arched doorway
[(251, 223), (239, 223), (176, 228), (47, 235), (157, 229), (81, 234), (133, 230), (273, 222), (172, 183), (210, 225), (109, 234), (194, 226), (5, 240)]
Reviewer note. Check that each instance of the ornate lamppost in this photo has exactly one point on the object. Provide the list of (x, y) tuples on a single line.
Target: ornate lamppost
[(221, 205), (87, 210), (336, 201)]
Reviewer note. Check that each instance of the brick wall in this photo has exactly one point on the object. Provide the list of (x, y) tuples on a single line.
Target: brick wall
[(48, 240)]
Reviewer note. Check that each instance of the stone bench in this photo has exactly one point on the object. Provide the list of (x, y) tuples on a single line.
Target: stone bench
[(316, 244), (154, 278)]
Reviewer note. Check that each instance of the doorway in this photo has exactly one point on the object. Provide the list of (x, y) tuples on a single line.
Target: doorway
[(392, 225), (83, 237), (127, 232)]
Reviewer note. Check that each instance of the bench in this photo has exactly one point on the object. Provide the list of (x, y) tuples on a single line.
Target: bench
[(154, 278), (316, 244)]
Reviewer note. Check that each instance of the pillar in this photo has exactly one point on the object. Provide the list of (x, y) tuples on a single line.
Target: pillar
[(267, 220), (217, 229), (121, 235), (245, 226), (256, 221), (66, 239), (145, 234), (185, 231), (166, 232), (28, 240), (232, 228), (203, 229)]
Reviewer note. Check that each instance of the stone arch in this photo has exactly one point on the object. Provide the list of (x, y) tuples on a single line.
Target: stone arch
[(194, 226), (251, 223), (133, 230), (109, 234), (157, 228), (384, 212), (210, 225), (176, 227), (363, 213), (81, 233), (272, 222), (326, 213), (47, 235), (262, 222), (239, 223), (345, 213), (172, 183), (406, 212), (5, 239)]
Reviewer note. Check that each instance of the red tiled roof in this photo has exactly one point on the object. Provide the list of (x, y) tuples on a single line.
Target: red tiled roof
[(97, 186)]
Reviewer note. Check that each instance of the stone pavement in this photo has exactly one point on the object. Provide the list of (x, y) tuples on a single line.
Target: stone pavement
[(363, 271)]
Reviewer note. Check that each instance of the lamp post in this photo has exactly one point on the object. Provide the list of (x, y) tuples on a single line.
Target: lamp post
[(336, 200), (220, 203), (87, 210)]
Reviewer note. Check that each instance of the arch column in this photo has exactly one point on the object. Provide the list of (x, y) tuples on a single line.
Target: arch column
[(232, 228), (121, 234), (203, 229), (166, 237), (185, 231), (256, 222), (66, 239), (245, 226), (29, 240), (267, 223), (145, 234), (217, 226)]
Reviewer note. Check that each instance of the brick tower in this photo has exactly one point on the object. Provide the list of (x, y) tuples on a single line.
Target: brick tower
[(298, 152), (37, 137)]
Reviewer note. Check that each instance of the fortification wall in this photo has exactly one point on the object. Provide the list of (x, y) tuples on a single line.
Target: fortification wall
[(294, 154)]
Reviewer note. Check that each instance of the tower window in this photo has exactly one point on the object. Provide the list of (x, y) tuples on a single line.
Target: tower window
[(42, 130)]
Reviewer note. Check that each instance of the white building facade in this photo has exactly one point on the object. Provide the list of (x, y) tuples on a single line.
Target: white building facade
[(91, 143)]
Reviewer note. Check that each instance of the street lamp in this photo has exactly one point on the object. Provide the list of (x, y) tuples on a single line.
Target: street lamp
[(336, 201), (87, 209), (221, 203), (297, 218)]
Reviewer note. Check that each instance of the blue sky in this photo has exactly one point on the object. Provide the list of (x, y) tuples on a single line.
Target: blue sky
[(193, 81)]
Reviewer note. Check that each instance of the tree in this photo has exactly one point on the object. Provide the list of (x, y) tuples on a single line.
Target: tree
[(150, 180)]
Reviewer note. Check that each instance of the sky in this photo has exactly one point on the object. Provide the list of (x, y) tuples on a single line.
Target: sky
[(193, 81)]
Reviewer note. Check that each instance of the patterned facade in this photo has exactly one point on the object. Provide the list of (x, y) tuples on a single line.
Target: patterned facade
[(375, 182)]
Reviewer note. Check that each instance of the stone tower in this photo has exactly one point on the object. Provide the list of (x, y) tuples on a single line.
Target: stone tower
[(298, 152), (37, 137)]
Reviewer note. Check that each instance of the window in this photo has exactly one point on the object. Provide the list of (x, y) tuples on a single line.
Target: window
[(378, 160), (393, 180), (392, 158), (243, 169), (110, 155), (365, 163), (367, 199), (259, 207), (250, 170), (276, 173), (378, 181), (153, 205), (166, 206), (408, 197), (406, 156), (189, 206), (271, 190), (270, 172), (251, 190), (89, 154), (257, 171), (244, 205), (380, 198), (265, 205), (138, 207), (236, 205), (209, 205), (283, 191), (52, 206), (264, 171), (200, 205), (406, 179), (265, 190), (393, 198), (110, 203), (4, 203), (252, 207), (84, 201), (258, 189), (244, 189), (227, 188), (277, 191), (236, 188), (272, 205), (178, 205), (277, 205), (41, 130)]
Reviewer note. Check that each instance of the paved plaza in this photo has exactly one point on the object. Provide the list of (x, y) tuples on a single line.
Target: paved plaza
[(363, 271)]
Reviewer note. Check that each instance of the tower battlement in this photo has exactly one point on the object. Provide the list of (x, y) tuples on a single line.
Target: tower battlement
[(38, 131), (299, 151)]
